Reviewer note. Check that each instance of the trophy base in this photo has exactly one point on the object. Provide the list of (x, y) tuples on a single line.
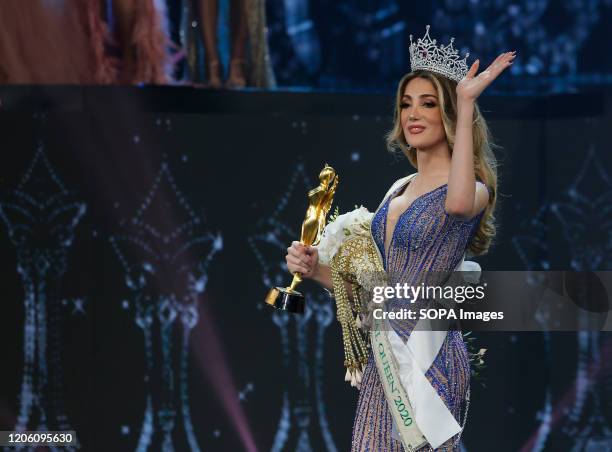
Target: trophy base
[(286, 300)]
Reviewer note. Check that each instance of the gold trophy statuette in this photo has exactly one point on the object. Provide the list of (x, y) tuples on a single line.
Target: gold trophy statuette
[(319, 202)]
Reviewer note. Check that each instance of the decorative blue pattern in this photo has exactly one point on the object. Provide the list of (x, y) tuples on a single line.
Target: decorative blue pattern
[(425, 239)]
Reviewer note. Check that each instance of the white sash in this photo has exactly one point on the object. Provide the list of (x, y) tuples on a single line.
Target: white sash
[(404, 424), (413, 359)]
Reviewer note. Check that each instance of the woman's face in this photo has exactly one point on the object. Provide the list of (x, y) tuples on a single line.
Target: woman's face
[(420, 115)]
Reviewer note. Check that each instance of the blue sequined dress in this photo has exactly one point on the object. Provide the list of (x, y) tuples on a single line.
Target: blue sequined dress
[(425, 239)]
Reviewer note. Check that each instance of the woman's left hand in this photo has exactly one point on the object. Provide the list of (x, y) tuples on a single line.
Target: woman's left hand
[(471, 86)]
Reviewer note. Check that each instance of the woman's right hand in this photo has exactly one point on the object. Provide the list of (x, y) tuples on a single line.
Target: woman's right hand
[(303, 259)]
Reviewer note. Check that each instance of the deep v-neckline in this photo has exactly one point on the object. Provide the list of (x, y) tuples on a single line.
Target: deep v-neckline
[(394, 195)]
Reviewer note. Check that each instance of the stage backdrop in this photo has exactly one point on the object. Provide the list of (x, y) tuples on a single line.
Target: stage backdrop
[(140, 229)]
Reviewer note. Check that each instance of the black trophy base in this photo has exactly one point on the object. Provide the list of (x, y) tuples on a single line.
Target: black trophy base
[(286, 300)]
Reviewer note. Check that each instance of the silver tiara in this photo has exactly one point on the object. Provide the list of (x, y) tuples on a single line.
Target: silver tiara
[(443, 60)]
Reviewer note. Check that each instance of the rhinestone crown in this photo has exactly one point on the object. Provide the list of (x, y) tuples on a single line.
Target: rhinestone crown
[(443, 60)]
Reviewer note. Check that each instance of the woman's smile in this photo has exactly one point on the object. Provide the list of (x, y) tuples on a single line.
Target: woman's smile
[(415, 129)]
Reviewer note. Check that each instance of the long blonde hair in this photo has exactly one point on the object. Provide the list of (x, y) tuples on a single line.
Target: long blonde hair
[(485, 163)]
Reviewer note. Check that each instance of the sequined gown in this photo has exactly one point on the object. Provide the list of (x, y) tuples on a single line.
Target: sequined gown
[(425, 238)]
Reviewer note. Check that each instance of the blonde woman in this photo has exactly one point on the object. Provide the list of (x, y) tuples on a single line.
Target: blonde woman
[(427, 222)]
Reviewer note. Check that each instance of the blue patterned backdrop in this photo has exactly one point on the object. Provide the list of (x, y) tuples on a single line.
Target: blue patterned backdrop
[(563, 45)]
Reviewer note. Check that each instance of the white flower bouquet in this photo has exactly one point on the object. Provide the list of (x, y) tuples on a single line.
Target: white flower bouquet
[(340, 228)]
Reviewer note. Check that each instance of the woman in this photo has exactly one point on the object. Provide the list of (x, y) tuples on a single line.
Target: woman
[(67, 42), (249, 60), (46, 42), (426, 222), (143, 41), (209, 11)]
